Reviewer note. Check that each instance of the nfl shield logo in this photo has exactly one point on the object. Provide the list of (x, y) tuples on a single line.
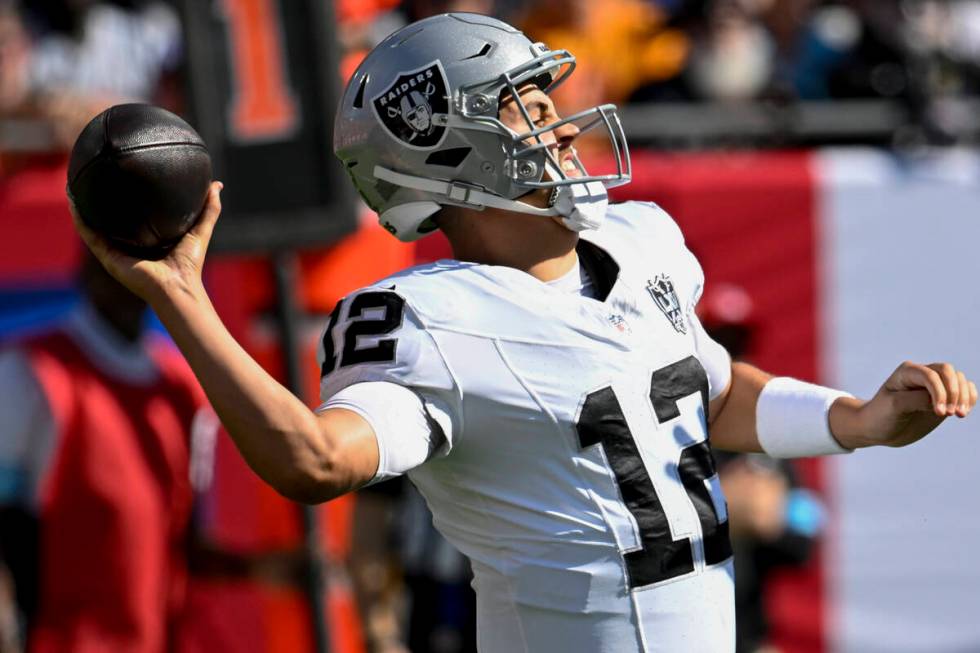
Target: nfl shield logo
[(408, 106), (619, 323), (662, 291)]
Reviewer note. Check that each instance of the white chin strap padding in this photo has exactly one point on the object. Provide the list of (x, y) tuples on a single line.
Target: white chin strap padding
[(583, 205), (403, 221)]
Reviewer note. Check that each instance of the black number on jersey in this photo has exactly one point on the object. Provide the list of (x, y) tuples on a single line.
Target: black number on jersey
[(393, 309), (329, 356), (602, 423)]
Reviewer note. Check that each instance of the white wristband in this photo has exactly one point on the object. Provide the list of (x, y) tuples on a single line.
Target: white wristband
[(792, 419)]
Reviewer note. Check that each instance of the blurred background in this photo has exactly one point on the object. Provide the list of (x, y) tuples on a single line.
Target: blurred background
[(820, 156)]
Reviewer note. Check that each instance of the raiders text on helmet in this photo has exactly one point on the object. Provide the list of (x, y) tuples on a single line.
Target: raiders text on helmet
[(406, 108), (417, 127)]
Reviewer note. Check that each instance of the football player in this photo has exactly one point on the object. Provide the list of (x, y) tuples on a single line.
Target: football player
[(550, 391)]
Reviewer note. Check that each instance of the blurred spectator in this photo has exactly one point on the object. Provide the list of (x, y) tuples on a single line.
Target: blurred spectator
[(414, 586), (951, 29), (80, 45), (773, 521), (63, 61), (766, 53), (826, 44), (95, 494), (438, 577), (734, 55), (798, 49), (726, 50), (376, 568), (14, 56), (774, 525)]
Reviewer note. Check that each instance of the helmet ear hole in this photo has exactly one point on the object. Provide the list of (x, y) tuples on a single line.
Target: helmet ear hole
[(484, 51)]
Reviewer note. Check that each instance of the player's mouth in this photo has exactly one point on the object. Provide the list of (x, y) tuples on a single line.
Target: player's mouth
[(569, 167)]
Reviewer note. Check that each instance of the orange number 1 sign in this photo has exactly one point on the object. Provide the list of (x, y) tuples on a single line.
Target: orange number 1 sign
[(263, 107)]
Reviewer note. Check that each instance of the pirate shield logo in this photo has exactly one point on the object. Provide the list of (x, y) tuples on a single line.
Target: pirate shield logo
[(663, 293), (406, 109)]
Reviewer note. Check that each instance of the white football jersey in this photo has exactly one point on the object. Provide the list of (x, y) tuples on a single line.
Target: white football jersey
[(572, 467)]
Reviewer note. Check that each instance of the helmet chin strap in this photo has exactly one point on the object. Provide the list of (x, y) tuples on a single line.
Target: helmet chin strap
[(581, 206)]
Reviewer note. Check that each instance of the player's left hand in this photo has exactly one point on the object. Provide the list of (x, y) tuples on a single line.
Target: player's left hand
[(912, 402)]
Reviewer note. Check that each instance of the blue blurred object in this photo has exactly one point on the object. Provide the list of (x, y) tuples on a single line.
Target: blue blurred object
[(828, 40), (33, 309), (805, 513), (13, 484), (24, 311), (668, 5)]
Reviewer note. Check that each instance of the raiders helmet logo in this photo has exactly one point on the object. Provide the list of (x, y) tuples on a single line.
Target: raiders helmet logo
[(663, 293), (406, 109)]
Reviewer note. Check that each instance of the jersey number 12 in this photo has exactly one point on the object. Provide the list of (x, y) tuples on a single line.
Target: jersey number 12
[(602, 423)]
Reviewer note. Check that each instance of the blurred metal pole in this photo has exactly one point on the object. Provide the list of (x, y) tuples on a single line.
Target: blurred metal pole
[(289, 319)]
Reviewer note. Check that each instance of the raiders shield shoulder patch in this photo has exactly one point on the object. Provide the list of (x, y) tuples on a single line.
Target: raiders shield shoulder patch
[(406, 108), (664, 295)]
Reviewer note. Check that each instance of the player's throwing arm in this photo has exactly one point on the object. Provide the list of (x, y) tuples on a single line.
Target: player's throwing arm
[(304, 456)]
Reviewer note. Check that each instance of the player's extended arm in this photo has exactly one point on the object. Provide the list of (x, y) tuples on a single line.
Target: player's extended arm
[(306, 456), (912, 402)]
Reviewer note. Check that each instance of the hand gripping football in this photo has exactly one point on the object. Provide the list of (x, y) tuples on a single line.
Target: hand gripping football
[(139, 176)]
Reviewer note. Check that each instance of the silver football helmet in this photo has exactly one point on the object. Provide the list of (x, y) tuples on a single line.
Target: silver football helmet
[(417, 127)]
